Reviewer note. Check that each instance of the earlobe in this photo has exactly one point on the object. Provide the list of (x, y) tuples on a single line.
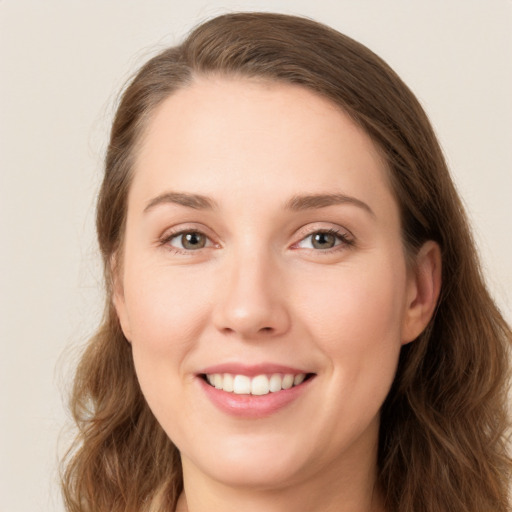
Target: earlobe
[(424, 286)]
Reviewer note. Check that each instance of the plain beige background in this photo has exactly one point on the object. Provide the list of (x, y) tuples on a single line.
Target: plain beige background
[(62, 63)]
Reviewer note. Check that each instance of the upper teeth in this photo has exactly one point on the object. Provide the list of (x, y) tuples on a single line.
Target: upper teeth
[(259, 385)]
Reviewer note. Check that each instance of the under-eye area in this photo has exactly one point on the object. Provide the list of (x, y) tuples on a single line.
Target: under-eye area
[(258, 385)]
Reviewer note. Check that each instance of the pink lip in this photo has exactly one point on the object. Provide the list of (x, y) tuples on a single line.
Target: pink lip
[(250, 370), (251, 406)]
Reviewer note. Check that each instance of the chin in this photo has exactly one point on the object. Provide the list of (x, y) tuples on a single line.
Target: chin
[(257, 464)]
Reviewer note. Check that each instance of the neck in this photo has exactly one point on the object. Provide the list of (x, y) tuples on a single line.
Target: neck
[(349, 487)]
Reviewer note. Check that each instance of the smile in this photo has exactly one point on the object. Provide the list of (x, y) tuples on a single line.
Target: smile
[(253, 391), (258, 385)]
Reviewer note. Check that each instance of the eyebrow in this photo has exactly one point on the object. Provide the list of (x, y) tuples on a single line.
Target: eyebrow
[(195, 201), (315, 201), (296, 203)]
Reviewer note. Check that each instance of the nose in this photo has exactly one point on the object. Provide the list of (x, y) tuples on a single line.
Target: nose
[(252, 302)]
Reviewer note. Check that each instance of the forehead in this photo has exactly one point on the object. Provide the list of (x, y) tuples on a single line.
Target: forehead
[(245, 136)]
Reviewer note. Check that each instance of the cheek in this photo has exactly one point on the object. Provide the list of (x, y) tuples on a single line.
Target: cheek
[(353, 314), (165, 309), (167, 316), (167, 313), (356, 314)]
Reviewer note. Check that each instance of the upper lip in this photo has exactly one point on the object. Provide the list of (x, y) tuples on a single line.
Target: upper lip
[(251, 370)]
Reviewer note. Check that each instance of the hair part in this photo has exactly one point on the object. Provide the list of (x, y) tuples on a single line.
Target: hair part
[(443, 430)]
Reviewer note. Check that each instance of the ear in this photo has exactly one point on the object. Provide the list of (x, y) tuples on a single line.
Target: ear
[(423, 288), (118, 297)]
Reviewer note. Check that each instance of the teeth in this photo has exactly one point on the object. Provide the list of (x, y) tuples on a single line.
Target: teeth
[(299, 379), (242, 385), (259, 385), (218, 381), (275, 382), (228, 383), (287, 381)]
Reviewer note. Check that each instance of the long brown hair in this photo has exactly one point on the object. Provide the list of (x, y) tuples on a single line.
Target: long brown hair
[(443, 431)]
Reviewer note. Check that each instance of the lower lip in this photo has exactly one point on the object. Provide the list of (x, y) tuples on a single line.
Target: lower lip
[(253, 406)]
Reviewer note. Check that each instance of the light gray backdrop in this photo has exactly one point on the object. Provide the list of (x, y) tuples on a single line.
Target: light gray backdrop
[(62, 63)]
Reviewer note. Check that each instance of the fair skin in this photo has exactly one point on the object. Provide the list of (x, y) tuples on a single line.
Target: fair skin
[(262, 235)]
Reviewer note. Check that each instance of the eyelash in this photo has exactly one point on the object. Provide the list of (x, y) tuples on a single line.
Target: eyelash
[(345, 241), (166, 241)]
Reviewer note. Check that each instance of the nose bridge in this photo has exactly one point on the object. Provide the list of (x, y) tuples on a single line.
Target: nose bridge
[(252, 303)]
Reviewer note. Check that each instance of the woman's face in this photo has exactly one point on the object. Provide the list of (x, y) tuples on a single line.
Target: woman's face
[(263, 248)]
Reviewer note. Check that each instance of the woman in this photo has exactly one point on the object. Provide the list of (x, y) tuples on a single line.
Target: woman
[(295, 314)]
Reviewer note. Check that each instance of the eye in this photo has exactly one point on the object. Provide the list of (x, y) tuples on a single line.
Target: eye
[(189, 240), (324, 240)]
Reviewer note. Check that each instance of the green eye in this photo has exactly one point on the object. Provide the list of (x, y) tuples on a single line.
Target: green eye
[(323, 240), (189, 241)]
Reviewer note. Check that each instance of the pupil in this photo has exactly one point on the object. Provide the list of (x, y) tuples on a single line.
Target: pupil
[(193, 241), (323, 240)]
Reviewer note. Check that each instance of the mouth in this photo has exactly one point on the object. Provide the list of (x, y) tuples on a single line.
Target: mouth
[(257, 385), (254, 391)]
